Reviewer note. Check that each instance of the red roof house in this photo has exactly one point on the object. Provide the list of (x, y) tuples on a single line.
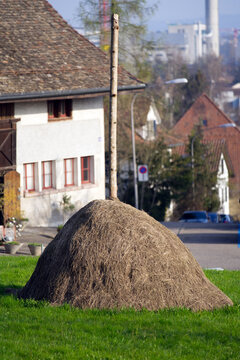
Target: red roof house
[(206, 113)]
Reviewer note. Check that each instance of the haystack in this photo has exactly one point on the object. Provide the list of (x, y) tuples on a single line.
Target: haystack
[(110, 255)]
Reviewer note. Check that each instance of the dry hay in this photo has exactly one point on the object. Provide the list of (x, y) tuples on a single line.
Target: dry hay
[(110, 255)]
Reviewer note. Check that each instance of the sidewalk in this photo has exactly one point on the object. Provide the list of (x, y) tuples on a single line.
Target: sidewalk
[(42, 235)]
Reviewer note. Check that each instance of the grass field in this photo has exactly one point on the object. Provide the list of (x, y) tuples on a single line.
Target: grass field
[(36, 330)]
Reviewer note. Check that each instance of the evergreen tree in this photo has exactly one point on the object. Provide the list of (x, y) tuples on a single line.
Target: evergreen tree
[(171, 178), (194, 187)]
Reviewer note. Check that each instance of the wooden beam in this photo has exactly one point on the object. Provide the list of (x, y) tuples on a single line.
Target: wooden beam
[(4, 168), (7, 130)]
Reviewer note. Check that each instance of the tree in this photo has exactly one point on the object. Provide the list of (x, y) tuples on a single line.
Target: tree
[(171, 178), (180, 97), (182, 175), (95, 16), (235, 71), (155, 195), (204, 76), (214, 72), (67, 206), (197, 84)]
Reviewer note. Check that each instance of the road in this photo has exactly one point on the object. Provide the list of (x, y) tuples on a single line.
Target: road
[(212, 245)]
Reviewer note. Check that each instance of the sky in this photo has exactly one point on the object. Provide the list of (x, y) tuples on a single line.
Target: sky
[(169, 11)]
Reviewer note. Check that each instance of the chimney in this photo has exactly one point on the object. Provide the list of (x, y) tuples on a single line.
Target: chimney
[(212, 27)]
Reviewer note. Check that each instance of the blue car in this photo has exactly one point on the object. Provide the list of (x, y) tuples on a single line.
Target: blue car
[(214, 217), (225, 218), (194, 217)]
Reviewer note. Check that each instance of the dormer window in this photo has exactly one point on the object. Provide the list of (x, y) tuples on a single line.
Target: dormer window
[(59, 109)]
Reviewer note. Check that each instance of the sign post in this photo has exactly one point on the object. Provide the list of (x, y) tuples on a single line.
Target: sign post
[(142, 173)]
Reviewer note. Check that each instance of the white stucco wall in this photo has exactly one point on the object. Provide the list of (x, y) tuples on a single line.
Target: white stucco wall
[(39, 140)]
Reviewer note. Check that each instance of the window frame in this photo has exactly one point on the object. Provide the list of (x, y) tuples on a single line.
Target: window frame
[(26, 177), (66, 184), (60, 109), (44, 174), (50, 110), (89, 169)]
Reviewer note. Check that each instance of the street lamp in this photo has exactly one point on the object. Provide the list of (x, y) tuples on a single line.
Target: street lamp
[(134, 153), (173, 81), (177, 81), (227, 125)]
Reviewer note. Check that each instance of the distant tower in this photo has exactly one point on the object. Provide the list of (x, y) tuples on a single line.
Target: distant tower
[(212, 35)]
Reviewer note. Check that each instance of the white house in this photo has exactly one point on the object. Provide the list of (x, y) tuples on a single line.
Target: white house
[(223, 185), (66, 157), (149, 130), (52, 83)]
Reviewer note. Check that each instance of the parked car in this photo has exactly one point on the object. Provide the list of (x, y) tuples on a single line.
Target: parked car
[(225, 218), (213, 217), (194, 217)]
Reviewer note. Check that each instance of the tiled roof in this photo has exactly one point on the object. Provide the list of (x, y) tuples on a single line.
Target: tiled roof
[(169, 140), (41, 53), (214, 150), (204, 112)]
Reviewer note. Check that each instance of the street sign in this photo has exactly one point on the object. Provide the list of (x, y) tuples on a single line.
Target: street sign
[(142, 173)]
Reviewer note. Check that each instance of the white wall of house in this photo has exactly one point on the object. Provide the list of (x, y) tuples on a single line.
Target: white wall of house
[(39, 140), (223, 187)]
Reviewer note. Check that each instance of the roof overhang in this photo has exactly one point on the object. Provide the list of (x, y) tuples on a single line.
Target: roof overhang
[(60, 94)]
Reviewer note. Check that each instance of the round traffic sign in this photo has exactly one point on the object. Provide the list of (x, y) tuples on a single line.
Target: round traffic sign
[(143, 169)]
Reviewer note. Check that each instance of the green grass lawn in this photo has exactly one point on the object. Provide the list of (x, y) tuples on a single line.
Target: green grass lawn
[(36, 330)]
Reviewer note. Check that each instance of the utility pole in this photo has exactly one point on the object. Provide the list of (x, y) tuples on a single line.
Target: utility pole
[(113, 108)]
